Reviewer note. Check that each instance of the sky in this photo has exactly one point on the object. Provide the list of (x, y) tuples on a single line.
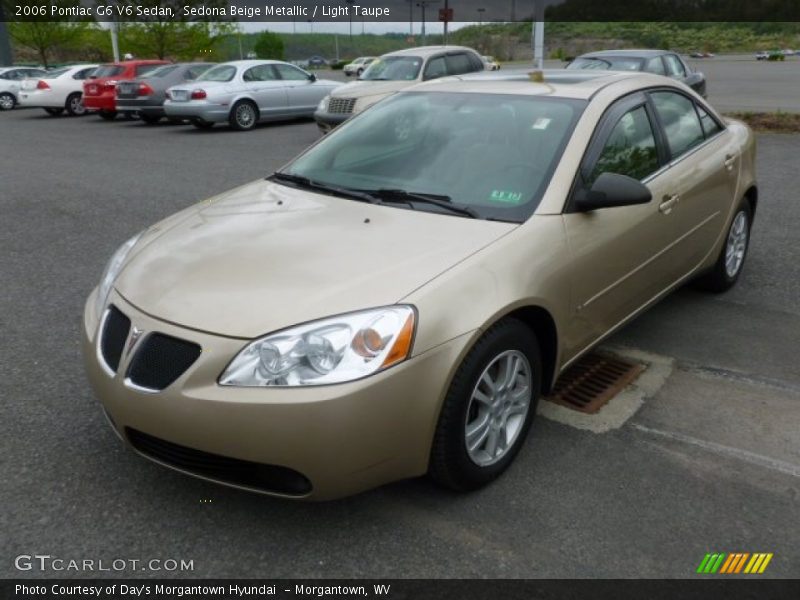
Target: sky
[(344, 28)]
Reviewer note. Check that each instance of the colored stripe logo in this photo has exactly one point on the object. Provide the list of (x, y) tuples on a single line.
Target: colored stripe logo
[(733, 563)]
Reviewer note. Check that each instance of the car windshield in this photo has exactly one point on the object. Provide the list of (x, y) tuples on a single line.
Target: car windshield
[(218, 73), (491, 154), (607, 63), (393, 68), (108, 71)]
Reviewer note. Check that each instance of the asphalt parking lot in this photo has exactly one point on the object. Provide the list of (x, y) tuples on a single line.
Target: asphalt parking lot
[(710, 462)]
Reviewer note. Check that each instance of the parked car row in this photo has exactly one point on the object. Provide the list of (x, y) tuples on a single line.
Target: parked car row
[(241, 93)]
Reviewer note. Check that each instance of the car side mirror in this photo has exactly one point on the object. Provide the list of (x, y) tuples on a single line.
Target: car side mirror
[(612, 189), (312, 77)]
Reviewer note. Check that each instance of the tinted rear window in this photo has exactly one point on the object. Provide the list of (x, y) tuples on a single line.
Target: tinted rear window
[(162, 71), (145, 69), (108, 70)]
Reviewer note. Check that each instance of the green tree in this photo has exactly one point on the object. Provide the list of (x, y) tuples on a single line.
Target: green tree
[(269, 46), (178, 36), (46, 38)]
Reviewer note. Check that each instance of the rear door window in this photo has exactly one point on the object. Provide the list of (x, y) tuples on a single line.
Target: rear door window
[(710, 125), (680, 121), (291, 73), (458, 64)]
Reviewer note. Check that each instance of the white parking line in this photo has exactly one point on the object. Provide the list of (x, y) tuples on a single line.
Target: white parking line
[(749, 457)]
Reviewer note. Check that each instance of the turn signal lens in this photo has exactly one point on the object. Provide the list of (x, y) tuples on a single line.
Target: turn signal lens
[(402, 345)]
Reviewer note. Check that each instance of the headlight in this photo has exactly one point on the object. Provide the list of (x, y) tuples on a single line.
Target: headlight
[(323, 104), (332, 350), (112, 270)]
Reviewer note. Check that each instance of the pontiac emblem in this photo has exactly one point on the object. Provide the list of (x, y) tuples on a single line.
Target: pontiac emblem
[(136, 333)]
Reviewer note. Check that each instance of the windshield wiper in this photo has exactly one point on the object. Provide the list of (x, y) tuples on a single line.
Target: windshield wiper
[(324, 187), (394, 196)]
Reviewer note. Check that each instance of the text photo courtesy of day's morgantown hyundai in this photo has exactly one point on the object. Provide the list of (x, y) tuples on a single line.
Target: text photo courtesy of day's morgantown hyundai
[(424, 299)]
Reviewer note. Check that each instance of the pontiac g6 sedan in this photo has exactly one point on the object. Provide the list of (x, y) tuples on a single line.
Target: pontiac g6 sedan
[(244, 92), (395, 301)]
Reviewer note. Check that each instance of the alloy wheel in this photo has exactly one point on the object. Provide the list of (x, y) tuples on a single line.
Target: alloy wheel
[(736, 244), (498, 408)]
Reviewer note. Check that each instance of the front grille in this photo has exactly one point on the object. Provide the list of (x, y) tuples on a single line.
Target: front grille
[(342, 106), (113, 336), (267, 478), (160, 360)]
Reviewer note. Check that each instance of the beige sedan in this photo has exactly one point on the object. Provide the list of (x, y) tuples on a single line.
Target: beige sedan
[(395, 301)]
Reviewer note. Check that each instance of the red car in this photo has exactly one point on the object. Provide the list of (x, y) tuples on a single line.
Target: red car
[(98, 90)]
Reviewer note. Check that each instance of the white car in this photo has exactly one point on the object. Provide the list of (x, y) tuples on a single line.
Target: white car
[(10, 79), (57, 91), (391, 73), (358, 66), (491, 63)]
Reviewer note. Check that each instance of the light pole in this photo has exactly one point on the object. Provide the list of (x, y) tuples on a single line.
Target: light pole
[(410, 18), (422, 4), (350, 16), (480, 16)]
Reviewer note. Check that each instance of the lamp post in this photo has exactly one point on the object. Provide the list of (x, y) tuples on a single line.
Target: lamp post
[(350, 16), (422, 4), (480, 16)]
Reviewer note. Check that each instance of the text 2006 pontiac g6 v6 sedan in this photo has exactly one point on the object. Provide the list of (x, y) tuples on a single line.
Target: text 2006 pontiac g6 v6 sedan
[(395, 300)]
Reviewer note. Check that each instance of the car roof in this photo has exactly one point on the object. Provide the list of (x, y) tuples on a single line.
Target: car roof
[(559, 83), (631, 53), (251, 62), (425, 51)]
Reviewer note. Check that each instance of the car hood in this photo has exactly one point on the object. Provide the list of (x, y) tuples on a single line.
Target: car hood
[(266, 256), (362, 89)]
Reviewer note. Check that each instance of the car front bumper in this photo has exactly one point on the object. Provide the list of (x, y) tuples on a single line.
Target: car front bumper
[(341, 438), (212, 113), (328, 121)]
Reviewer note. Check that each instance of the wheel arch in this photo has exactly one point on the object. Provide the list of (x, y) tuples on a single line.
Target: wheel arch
[(541, 322), (751, 195)]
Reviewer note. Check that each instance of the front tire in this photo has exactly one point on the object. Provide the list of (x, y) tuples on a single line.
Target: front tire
[(243, 116), (7, 101), (489, 408), (74, 105), (725, 272)]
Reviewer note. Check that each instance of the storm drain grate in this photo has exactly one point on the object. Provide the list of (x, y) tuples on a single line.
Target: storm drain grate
[(593, 380)]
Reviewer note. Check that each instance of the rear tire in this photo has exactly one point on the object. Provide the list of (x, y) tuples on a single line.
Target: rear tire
[(54, 112), (725, 272), (7, 101), (200, 124), (108, 115), (489, 408), (149, 119), (243, 116), (74, 105)]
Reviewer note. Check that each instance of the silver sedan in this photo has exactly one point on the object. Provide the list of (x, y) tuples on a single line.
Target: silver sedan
[(245, 92)]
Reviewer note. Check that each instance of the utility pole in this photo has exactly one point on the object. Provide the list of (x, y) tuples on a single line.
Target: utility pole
[(6, 58), (446, 19), (350, 16), (480, 16), (537, 33), (410, 18), (422, 4)]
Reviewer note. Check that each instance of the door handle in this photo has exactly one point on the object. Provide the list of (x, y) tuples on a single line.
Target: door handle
[(730, 160), (667, 202)]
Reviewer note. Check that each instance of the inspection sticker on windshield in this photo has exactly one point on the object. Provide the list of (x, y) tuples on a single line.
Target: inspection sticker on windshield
[(541, 123), (506, 197)]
